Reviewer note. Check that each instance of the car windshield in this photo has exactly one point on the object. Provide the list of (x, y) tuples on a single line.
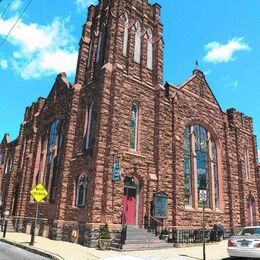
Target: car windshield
[(249, 232)]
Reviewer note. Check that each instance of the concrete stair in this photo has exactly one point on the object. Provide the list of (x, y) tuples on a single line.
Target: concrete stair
[(139, 239)]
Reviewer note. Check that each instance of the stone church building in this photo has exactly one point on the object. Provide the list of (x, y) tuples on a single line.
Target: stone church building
[(118, 147)]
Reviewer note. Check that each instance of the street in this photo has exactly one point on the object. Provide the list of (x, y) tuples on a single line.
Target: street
[(8, 252)]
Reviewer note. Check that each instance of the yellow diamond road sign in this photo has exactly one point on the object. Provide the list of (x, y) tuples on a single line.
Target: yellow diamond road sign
[(39, 192)]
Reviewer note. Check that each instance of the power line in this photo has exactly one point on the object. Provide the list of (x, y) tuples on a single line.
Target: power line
[(2, 42), (6, 8)]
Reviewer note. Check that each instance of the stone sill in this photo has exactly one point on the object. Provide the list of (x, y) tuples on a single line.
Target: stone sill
[(199, 210), (133, 153)]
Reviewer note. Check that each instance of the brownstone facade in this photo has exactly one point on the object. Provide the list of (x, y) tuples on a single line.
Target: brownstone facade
[(119, 110)]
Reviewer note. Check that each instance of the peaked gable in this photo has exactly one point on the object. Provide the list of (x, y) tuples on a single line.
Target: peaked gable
[(61, 87), (197, 85)]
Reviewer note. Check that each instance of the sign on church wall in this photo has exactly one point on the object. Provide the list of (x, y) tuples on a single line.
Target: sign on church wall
[(160, 205), (116, 175)]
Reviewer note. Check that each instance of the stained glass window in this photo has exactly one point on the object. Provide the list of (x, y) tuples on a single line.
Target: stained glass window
[(133, 127), (187, 169), (200, 152), (215, 172)]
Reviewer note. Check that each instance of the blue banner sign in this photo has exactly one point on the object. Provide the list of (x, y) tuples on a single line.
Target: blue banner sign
[(117, 168)]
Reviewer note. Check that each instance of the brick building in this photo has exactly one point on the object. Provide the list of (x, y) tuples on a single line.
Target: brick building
[(119, 147)]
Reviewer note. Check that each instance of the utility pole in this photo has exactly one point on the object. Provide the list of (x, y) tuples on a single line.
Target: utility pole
[(203, 226), (203, 198)]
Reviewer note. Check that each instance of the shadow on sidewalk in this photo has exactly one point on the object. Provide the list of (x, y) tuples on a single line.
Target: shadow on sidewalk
[(192, 257)]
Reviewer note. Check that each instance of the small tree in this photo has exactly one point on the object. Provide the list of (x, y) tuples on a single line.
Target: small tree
[(104, 232)]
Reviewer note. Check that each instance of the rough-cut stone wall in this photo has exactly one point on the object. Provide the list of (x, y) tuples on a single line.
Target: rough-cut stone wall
[(113, 85)]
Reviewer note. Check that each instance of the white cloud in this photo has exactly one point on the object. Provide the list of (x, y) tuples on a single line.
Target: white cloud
[(3, 64), (218, 52), (41, 50), (16, 5), (82, 5)]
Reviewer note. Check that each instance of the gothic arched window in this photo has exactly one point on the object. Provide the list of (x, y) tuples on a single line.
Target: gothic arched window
[(149, 49), (89, 126), (125, 42), (215, 171), (9, 165), (89, 53), (134, 127), (137, 51), (200, 167), (99, 46), (246, 171), (81, 191)]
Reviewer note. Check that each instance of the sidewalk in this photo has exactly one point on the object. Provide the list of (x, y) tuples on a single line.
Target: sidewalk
[(64, 250)]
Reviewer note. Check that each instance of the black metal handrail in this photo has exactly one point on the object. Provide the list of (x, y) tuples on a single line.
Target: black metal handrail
[(124, 229), (152, 224)]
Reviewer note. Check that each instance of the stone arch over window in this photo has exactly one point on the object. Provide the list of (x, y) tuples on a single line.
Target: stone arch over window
[(149, 49), (137, 50), (134, 127), (125, 40), (89, 126), (81, 191), (201, 167)]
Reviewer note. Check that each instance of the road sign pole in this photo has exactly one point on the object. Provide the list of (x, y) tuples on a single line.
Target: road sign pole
[(203, 226), (34, 225)]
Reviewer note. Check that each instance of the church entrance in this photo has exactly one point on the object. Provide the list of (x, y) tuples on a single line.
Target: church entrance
[(130, 202)]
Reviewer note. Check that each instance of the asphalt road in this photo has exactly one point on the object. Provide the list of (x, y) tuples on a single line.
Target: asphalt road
[(8, 252)]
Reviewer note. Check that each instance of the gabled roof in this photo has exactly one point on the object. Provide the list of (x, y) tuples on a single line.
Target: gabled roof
[(198, 85), (61, 86)]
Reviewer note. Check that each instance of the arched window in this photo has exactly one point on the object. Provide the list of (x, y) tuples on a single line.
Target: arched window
[(125, 42), (187, 169), (215, 172), (149, 49), (89, 125), (81, 191), (9, 165), (246, 172), (200, 167), (99, 46), (89, 53), (137, 51), (134, 127), (1, 159)]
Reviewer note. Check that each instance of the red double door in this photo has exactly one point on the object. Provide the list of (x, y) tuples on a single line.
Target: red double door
[(129, 206)]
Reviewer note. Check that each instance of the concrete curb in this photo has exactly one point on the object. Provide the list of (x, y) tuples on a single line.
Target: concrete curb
[(32, 249)]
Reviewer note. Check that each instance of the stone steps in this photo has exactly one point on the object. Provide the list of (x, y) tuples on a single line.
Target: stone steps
[(139, 239)]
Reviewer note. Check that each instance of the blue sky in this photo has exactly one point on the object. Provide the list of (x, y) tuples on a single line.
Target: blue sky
[(223, 35)]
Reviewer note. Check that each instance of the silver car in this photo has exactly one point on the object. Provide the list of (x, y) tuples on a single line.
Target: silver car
[(246, 243)]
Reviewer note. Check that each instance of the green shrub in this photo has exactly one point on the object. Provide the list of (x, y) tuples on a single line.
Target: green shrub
[(104, 232), (164, 231)]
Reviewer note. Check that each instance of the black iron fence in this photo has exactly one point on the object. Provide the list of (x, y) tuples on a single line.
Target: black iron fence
[(195, 236)]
